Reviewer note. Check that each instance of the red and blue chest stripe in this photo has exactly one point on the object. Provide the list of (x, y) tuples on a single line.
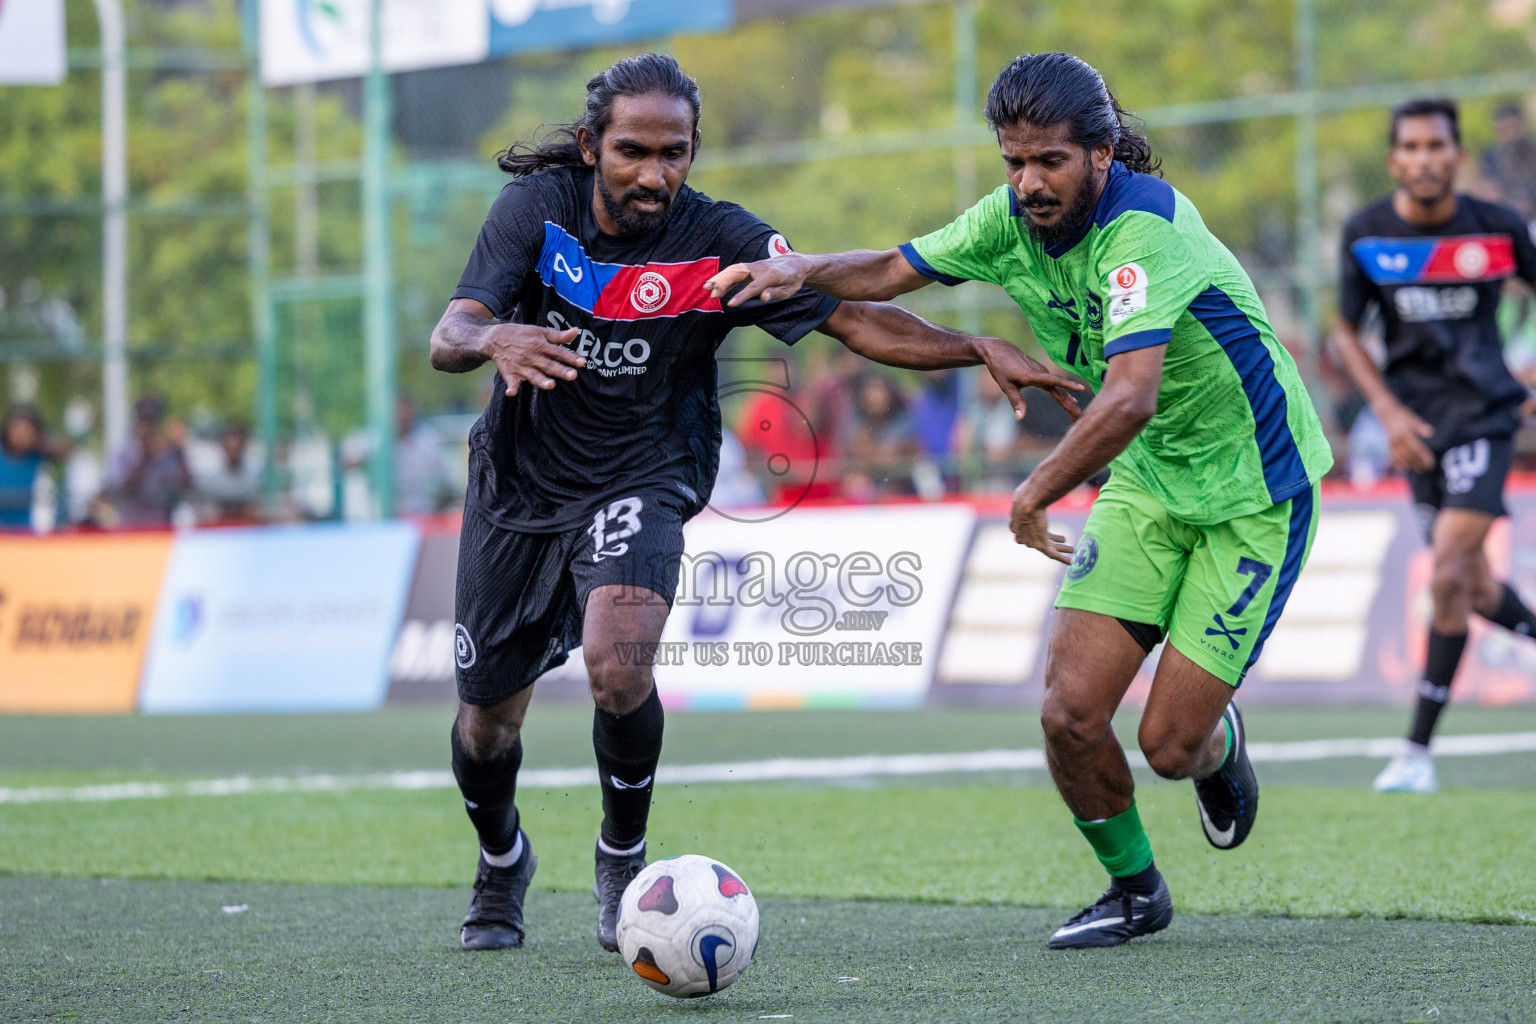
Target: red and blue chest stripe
[(1451, 259), (624, 291)]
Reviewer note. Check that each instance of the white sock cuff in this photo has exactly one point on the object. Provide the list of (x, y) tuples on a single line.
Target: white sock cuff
[(611, 851), (505, 860)]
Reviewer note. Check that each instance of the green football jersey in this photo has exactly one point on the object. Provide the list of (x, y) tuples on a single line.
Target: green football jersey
[(1235, 431)]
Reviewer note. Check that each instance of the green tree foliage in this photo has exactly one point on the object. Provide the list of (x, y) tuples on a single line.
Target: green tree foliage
[(831, 76)]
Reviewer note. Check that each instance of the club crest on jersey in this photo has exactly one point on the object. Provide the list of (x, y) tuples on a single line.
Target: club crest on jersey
[(1471, 259), (650, 293), (778, 246), (1127, 291)]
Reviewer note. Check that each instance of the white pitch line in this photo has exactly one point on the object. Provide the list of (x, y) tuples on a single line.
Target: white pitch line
[(775, 770)]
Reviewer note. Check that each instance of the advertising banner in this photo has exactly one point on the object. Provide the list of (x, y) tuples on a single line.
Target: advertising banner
[(421, 665), (836, 607), (1353, 631), (279, 618), (75, 617), (319, 40), (32, 42), (521, 26)]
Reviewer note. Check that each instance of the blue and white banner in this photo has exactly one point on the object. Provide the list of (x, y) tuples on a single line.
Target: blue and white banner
[(320, 40), (279, 619), (522, 26)]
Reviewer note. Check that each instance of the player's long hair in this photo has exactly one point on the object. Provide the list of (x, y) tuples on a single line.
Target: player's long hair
[(1046, 89), (633, 76)]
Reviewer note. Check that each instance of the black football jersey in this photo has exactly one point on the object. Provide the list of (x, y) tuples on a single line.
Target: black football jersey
[(643, 412), (1438, 290)]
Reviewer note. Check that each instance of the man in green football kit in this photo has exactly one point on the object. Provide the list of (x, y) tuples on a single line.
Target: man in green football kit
[(1214, 450)]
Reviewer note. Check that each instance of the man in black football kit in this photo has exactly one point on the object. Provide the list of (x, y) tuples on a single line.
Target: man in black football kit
[(585, 288), (1434, 262)]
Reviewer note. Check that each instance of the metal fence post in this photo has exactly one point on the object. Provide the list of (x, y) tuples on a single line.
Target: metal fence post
[(378, 321)]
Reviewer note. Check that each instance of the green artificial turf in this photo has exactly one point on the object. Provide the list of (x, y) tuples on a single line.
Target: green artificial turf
[(1461, 856), (113, 951)]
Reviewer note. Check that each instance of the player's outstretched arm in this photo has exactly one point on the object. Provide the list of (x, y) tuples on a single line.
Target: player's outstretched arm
[(860, 274), (468, 335), (893, 336), (1406, 432), (1127, 403)]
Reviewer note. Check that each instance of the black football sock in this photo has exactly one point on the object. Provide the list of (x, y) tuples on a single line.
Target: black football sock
[(490, 789), (627, 748), (1142, 883), (1513, 615), (1435, 688)]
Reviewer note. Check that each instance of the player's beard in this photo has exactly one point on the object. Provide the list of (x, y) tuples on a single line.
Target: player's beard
[(1070, 223), (631, 221)]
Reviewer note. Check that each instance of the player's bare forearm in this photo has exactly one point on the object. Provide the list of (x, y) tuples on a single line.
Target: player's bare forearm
[(1362, 372), (458, 340), (468, 336), (1127, 403), (896, 337), (862, 274), (1406, 431)]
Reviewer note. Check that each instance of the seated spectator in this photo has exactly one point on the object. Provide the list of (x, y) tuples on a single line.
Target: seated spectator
[(990, 436), (781, 450), (935, 417), (149, 478), (24, 447), (881, 445), (232, 491)]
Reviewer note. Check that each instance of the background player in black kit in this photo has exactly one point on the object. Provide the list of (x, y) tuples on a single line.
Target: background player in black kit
[(585, 289), (1435, 262)]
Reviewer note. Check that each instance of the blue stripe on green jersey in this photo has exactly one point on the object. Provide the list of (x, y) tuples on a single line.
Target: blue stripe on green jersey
[(1141, 339), (1284, 473), (1290, 569), (922, 267)]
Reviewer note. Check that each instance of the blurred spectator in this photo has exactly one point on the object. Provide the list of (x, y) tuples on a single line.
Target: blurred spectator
[(880, 442), (936, 413), (781, 449), (991, 435), (421, 475), (231, 491), (935, 417), (827, 397), (24, 447), (149, 478), (1509, 165)]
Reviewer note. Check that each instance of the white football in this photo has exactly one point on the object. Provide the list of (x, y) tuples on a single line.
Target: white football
[(688, 926)]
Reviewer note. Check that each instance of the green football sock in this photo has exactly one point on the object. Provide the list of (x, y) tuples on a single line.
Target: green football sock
[(1226, 731), (1120, 842)]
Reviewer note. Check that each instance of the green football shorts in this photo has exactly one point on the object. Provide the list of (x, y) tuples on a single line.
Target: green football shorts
[(1217, 590)]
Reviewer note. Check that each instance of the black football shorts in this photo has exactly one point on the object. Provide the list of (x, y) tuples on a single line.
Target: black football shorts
[(520, 597), (1469, 476)]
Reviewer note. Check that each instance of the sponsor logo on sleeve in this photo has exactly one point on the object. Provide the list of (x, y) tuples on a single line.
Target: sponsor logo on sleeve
[(1127, 292), (778, 246)]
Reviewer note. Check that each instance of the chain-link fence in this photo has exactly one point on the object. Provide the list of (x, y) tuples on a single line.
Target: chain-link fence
[(843, 128)]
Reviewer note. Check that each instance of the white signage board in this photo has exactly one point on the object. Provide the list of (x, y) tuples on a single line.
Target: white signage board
[(834, 607), (319, 40), (32, 42)]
